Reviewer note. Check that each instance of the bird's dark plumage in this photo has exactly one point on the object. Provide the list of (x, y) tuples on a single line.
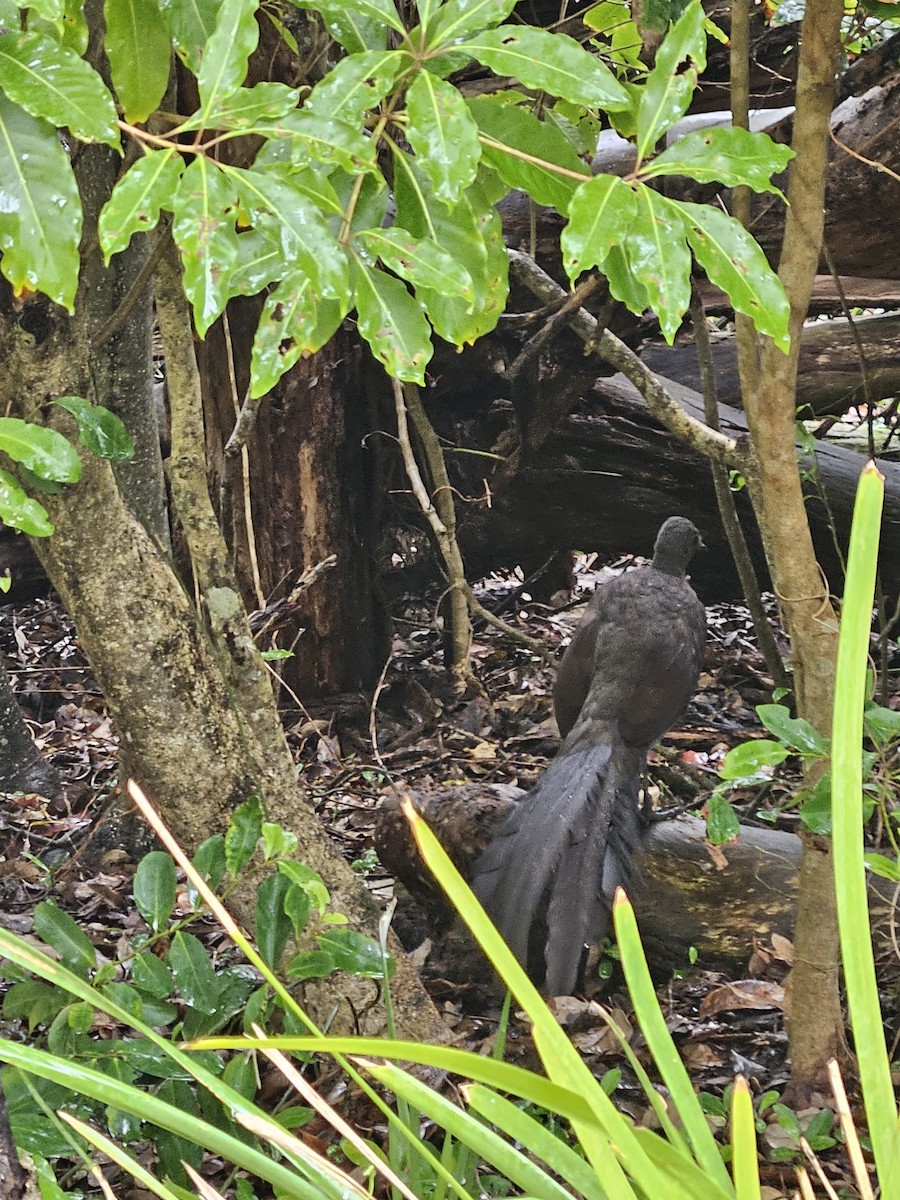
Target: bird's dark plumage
[(629, 671)]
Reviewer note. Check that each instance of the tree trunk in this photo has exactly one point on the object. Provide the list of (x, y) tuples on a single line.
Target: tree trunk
[(21, 767)]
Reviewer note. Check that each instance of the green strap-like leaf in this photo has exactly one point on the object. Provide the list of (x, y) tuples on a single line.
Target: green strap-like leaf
[(393, 324), (135, 203), (460, 18), (517, 128), (19, 511), (40, 208), (224, 65), (443, 134), (138, 47), (660, 258), (205, 210), (419, 261), (42, 450), (729, 156), (600, 215), (52, 82), (734, 262), (665, 97), (551, 61), (190, 24)]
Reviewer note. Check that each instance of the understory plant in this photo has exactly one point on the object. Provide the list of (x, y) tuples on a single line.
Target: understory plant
[(605, 1156)]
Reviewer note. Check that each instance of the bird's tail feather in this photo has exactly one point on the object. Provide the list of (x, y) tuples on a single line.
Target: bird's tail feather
[(554, 847)]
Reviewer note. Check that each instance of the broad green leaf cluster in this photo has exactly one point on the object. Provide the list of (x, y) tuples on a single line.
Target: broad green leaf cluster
[(374, 190)]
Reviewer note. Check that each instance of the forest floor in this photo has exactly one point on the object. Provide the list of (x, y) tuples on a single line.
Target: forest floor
[(425, 739)]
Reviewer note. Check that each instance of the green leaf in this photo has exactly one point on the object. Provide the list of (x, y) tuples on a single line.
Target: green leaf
[(293, 324), (52, 82), (277, 841), (260, 262), (310, 964), (729, 156), (99, 430), (660, 258), (304, 230), (154, 888), (443, 135), (600, 215), (134, 206), (419, 261), (517, 128), (271, 922), (138, 47), (881, 724), (750, 759), (193, 973), (40, 208), (666, 95), (298, 907), (224, 65), (305, 139), (471, 232), (372, 13), (248, 107), (205, 208), (210, 860), (19, 511), (357, 84), (151, 976), (623, 282), (308, 881), (42, 450), (460, 18), (553, 62), (191, 24), (355, 28), (885, 868), (815, 811), (353, 952), (58, 930), (393, 324), (721, 820), (242, 835), (793, 731), (734, 262)]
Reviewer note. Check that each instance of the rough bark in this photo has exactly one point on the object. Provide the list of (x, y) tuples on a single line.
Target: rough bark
[(21, 767)]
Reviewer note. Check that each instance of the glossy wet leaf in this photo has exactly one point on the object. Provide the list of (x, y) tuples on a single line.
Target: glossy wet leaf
[(460, 18), (19, 511), (516, 127), (553, 62), (242, 834), (600, 214), (734, 262), (191, 24), (205, 209), (52, 82), (224, 64), (136, 200), (357, 84), (729, 156), (623, 281), (41, 449), (472, 234), (721, 820), (443, 134), (660, 258), (247, 107), (666, 95), (356, 28), (751, 759), (393, 324), (99, 430), (419, 261), (138, 47), (353, 952), (192, 972), (305, 138), (282, 203), (154, 888), (795, 732), (294, 323), (259, 263), (60, 931), (40, 208)]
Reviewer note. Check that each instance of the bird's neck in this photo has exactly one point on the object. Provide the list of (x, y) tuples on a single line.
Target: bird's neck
[(669, 563)]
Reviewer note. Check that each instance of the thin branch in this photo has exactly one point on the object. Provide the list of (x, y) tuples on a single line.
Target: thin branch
[(729, 451)]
